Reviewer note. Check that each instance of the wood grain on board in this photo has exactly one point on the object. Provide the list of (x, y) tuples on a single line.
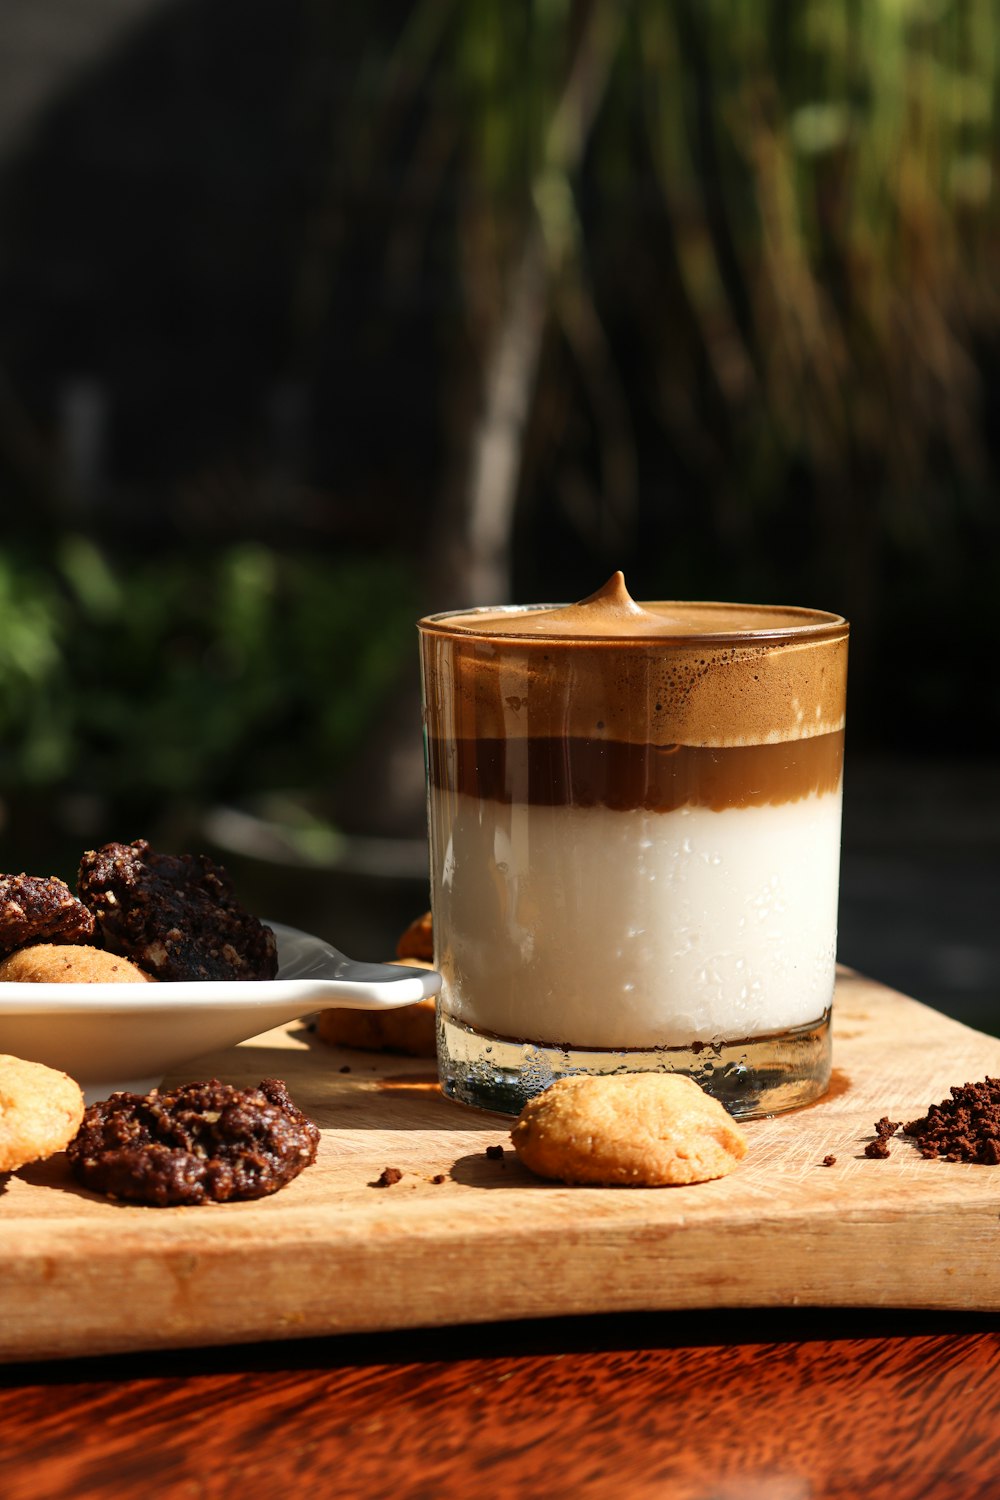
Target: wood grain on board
[(336, 1253)]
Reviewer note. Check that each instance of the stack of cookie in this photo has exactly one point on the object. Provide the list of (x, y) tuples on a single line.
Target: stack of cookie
[(409, 1030), (138, 916)]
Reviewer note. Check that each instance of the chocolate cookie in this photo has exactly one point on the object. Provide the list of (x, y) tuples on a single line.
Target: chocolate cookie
[(176, 916), (203, 1143), (39, 909)]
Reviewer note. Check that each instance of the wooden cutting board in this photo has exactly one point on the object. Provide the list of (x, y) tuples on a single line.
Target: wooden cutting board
[(334, 1253)]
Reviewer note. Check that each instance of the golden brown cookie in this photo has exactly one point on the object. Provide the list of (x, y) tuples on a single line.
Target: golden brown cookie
[(418, 940), (628, 1130), (40, 1112), (58, 963), (409, 1030)]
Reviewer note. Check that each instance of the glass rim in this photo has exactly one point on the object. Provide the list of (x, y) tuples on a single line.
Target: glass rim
[(813, 625)]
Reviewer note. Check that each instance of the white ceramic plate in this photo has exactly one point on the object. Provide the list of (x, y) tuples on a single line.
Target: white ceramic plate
[(127, 1036)]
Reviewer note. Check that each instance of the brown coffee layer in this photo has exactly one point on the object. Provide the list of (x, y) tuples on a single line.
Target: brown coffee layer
[(577, 772)]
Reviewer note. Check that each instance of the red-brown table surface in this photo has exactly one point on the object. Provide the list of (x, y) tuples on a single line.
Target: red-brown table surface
[(796, 1405)]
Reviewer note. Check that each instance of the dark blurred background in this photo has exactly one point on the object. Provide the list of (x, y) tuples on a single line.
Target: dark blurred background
[(316, 317)]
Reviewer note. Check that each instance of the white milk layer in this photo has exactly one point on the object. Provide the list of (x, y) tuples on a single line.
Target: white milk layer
[(595, 928)]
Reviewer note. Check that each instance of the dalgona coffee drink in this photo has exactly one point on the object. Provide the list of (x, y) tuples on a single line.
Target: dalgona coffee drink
[(634, 817)]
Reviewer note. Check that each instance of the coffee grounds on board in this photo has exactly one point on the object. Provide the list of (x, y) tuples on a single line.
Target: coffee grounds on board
[(829, 1161), (885, 1129), (964, 1127)]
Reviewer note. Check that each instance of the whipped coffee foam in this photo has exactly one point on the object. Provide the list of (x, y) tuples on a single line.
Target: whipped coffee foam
[(634, 818), (607, 668)]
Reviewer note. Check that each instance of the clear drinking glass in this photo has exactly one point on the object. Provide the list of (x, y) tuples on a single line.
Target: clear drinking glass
[(634, 818)]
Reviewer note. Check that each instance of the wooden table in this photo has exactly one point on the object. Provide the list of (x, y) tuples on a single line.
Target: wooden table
[(699, 1400), (788, 1406)]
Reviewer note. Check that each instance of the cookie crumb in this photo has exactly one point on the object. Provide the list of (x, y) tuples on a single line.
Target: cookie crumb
[(885, 1129), (829, 1161), (390, 1175), (439, 1177), (345, 1068), (495, 1153)]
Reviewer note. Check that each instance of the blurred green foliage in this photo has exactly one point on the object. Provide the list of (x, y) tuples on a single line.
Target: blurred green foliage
[(143, 679)]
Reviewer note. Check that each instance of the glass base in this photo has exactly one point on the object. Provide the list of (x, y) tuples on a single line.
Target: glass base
[(754, 1076)]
